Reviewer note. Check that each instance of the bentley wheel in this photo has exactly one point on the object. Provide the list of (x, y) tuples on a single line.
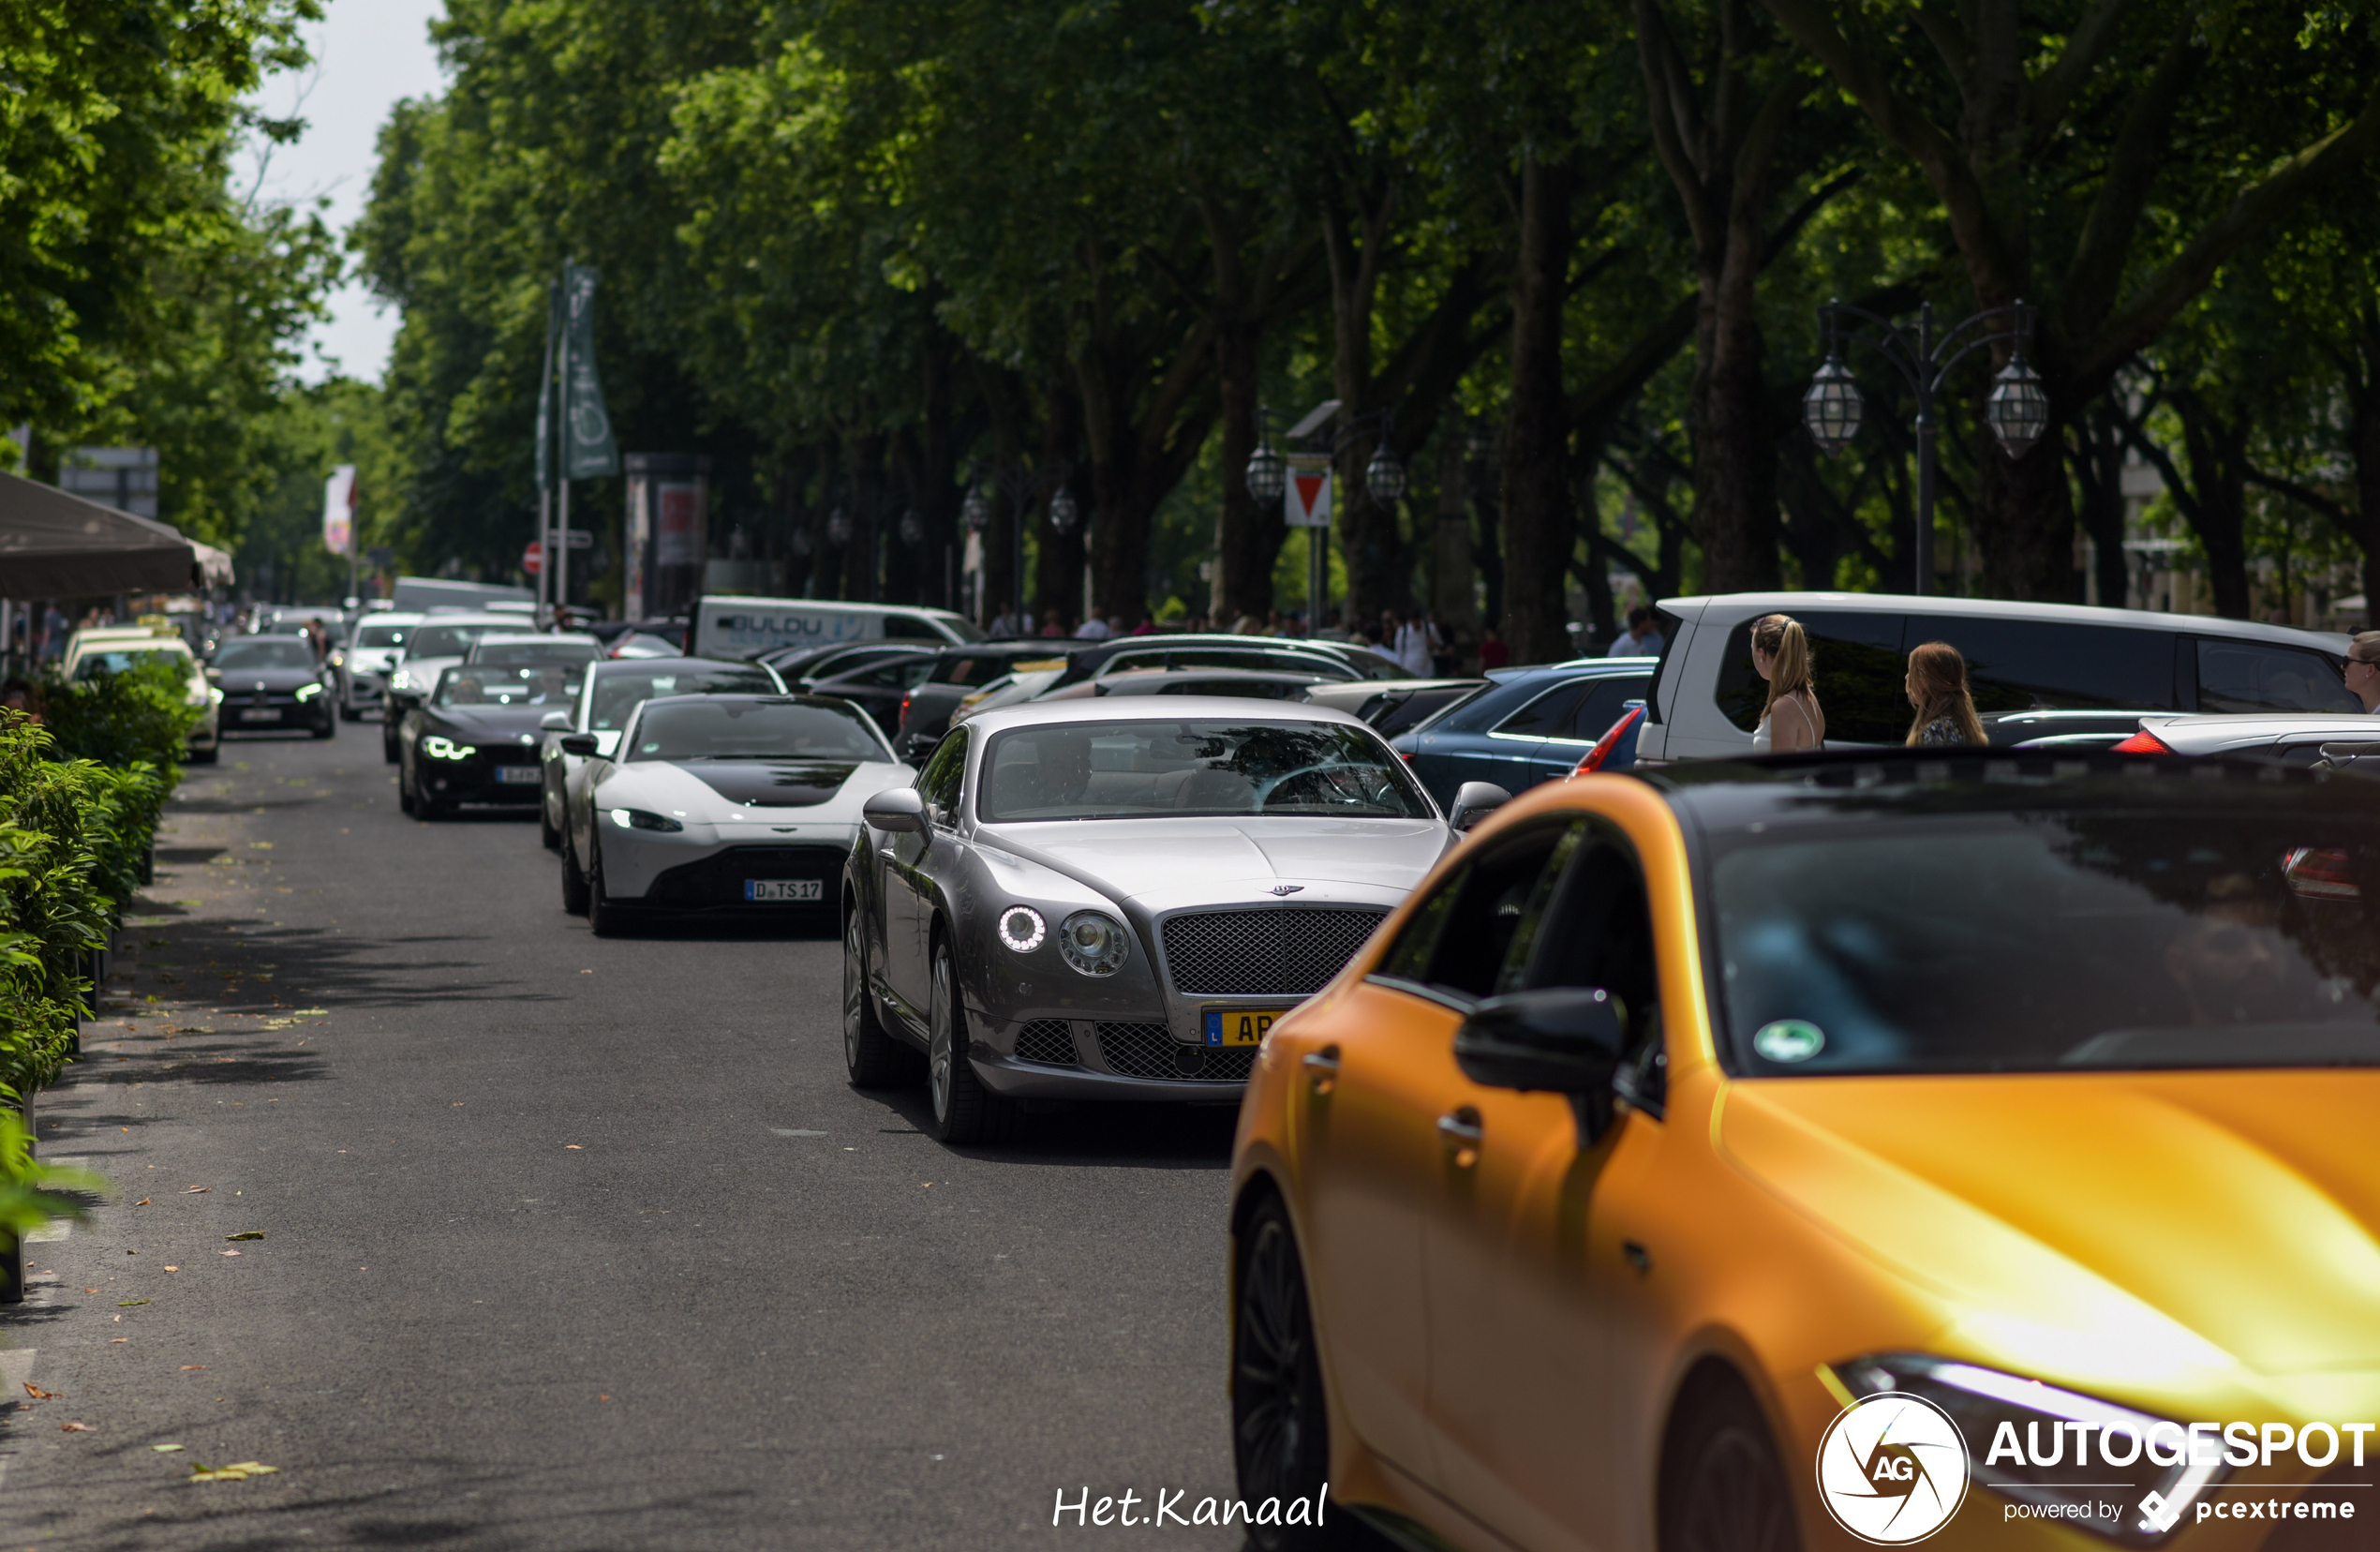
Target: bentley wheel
[(1280, 1424), (873, 1058), (603, 918), (1722, 1488), (964, 1109), (573, 880)]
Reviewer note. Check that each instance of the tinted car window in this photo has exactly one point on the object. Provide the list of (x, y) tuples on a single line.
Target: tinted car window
[(265, 652), (1603, 704), (937, 783), (438, 641), (617, 696), (1254, 658), (910, 628), (118, 660), (2243, 676), (508, 684), (1855, 660), (2026, 665), (1549, 715), (381, 635), (1483, 916), (534, 651), (899, 674), (756, 730), (1247, 689), (973, 669)]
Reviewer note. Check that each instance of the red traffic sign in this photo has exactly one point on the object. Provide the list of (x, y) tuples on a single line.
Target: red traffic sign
[(533, 557)]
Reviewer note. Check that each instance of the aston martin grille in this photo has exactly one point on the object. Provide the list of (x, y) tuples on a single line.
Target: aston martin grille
[(1275, 951), (1150, 1051), (1048, 1041)]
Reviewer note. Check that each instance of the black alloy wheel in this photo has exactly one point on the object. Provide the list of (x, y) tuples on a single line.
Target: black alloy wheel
[(1722, 1489), (873, 1058), (573, 880), (1280, 1422), (404, 787), (388, 740), (964, 1110), (603, 918), (547, 834)]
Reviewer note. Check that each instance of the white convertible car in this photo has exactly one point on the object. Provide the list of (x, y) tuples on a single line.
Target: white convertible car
[(722, 803)]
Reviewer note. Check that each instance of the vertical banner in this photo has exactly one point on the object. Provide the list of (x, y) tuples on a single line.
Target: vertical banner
[(546, 394), (338, 510), (589, 451)]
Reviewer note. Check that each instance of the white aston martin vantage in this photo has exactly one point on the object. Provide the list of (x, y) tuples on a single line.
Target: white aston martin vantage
[(722, 803)]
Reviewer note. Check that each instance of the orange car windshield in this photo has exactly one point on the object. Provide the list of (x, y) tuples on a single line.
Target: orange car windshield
[(2051, 940)]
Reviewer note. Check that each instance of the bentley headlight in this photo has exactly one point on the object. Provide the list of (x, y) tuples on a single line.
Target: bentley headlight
[(2062, 1452), (1094, 943), (1023, 928), (627, 818), (439, 748), (307, 691)]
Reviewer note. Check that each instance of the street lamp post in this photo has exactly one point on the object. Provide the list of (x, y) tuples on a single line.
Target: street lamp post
[(2017, 411), (1267, 477)]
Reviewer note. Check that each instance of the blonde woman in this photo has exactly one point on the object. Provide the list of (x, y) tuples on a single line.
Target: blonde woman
[(1937, 687), (2363, 670), (1791, 719)]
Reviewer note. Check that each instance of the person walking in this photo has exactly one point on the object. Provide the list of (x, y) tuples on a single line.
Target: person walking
[(1494, 652), (1412, 645), (1642, 638), (1937, 688), (1792, 719), (2363, 670)]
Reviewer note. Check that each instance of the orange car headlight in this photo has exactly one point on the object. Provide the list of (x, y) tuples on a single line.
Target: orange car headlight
[(2056, 1449)]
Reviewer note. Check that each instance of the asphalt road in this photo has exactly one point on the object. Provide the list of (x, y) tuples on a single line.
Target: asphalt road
[(567, 1243)]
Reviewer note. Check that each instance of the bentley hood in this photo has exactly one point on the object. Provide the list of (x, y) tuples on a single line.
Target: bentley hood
[(2136, 1225), (1163, 864)]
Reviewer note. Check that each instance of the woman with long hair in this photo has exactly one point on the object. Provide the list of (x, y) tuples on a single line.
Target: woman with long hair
[(2363, 670), (1791, 719), (1937, 688)]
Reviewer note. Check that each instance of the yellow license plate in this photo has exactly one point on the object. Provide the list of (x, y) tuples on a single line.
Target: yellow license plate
[(1239, 1026)]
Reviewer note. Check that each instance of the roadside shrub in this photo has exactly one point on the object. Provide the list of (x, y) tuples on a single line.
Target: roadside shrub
[(139, 715)]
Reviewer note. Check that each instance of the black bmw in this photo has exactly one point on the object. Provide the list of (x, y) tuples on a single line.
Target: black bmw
[(475, 739), (272, 685)]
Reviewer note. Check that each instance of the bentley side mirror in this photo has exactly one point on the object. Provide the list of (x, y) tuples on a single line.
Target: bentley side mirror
[(896, 808), (554, 722), (1558, 1040), (581, 744), (1473, 802)]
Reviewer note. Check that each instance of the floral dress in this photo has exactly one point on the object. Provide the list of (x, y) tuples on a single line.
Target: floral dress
[(1941, 731)]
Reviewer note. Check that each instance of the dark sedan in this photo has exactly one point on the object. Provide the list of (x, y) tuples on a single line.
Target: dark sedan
[(475, 739), (958, 673), (272, 685)]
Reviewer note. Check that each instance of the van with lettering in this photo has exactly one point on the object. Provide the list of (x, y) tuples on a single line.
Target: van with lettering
[(2029, 666), (727, 626)]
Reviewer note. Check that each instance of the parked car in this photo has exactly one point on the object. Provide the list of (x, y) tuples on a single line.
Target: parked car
[(112, 648), (439, 641), (1531, 726), (2020, 657), (880, 688), (1263, 654), (2284, 738), (728, 626), (272, 684), (1396, 706), (1024, 683), (722, 803), (608, 696), (361, 665), (474, 739), (1690, 1139), (958, 673), (1113, 899), (1229, 684)]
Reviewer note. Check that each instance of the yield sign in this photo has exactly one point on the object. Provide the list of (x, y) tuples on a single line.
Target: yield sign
[(533, 557), (1305, 497)]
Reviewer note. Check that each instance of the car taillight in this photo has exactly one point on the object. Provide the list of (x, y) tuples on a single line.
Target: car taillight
[(906, 699), (1592, 761), (2320, 872), (2144, 742)]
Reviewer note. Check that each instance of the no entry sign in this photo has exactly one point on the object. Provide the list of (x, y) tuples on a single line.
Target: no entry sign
[(533, 557)]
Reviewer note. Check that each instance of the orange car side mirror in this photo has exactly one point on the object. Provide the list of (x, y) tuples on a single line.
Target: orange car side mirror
[(1558, 1040)]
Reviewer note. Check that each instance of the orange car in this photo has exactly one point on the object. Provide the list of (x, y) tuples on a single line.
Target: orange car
[(1837, 1149)]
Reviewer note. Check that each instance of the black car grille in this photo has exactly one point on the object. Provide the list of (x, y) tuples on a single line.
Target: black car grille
[(1150, 1051), (1269, 952), (719, 878), (1048, 1041)]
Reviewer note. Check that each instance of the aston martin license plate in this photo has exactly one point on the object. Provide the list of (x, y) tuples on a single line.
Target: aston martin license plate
[(786, 890), (519, 775), (1239, 1026)]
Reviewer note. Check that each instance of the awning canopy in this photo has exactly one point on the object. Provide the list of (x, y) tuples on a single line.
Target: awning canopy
[(214, 565), (57, 546)]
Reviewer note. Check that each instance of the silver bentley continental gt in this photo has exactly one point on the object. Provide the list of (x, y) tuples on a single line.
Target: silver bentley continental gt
[(1114, 900)]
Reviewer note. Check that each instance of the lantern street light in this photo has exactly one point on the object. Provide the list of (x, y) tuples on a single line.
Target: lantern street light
[(1267, 474), (913, 528), (976, 510), (1064, 513), (2017, 410)]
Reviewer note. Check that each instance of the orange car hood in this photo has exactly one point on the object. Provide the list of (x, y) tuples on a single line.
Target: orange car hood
[(2132, 1225)]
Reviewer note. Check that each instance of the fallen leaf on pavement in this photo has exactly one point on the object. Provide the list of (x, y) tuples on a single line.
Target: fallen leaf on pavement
[(240, 1473), (74, 1427), (142, 1202), (118, 1341), (249, 1234), (230, 1252), (165, 1449), (38, 1393), (173, 1269), (127, 1304), (194, 1191), (574, 1147), (91, 1290), (192, 1368)]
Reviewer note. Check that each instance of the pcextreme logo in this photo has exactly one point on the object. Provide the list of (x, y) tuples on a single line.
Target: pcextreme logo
[(1892, 1468)]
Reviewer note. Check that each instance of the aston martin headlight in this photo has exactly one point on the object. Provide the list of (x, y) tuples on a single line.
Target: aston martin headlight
[(627, 818), (2062, 1452), (307, 691), (439, 748), (1023, 928), (1094, 943)]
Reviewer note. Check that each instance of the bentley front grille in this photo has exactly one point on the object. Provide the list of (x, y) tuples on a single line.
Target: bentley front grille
[(1048, 1041), (1150, 1051), (1268, 951)]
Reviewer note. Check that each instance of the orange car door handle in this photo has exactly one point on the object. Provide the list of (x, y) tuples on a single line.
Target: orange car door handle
[(1322, 1067), (1460, 1131)]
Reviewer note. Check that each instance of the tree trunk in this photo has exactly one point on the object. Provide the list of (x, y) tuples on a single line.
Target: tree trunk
[(2099, 465), (2025, 515), (1057, 572), (937, 493), (864, 453), (1538, 530), (1368, 539), (1248, 534), (1735, 445), (2363, 439)]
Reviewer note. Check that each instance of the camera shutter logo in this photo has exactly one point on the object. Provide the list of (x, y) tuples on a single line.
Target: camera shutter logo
[(1892, 1468)]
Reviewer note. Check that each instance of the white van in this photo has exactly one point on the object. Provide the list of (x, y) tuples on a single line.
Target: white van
[(1707, 699), (733, 627)]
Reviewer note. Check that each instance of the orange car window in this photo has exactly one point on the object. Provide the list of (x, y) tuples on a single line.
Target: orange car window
[(1457, 943)]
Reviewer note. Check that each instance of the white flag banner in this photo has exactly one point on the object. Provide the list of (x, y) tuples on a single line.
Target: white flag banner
[(338, 510)]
